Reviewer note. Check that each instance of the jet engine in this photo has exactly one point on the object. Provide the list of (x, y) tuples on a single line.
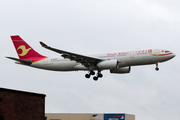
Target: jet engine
[(121, 70), (108, 64)]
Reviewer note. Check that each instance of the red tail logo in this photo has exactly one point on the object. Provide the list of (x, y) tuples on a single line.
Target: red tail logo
[(25, 51)]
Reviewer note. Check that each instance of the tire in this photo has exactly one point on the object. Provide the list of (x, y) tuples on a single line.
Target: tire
[(92, 73), (87, 76), (95, 78), (156, 68), (100, 75)]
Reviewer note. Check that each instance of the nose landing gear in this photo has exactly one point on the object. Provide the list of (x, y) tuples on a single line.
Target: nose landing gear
[(157, 68)]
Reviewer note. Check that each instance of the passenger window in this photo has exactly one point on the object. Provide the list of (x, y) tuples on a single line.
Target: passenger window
[(166, 51)]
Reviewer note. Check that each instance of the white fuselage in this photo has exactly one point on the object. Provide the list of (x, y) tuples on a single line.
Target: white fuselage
[(125, 58)]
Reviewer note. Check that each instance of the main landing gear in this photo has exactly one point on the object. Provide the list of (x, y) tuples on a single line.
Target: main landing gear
[(90, 73), (157, 68), (99, 75)]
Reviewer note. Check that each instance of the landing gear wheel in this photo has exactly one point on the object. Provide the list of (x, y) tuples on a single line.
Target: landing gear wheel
[(100, 75), (156, 68), (92, 73), (87, 76), (95, 78)]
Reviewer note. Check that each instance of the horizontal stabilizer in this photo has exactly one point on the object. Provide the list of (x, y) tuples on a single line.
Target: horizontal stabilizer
[(28, 62)]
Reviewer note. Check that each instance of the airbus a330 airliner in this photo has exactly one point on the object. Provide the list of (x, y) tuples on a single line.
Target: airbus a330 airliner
[(117, 62)]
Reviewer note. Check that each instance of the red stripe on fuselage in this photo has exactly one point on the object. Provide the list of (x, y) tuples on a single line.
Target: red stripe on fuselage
[(162, 54)]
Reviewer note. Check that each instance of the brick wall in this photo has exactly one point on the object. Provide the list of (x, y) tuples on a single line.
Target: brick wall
[(19, 105)]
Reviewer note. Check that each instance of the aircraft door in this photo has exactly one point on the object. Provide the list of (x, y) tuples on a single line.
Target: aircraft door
[(45, 61), (157, 52), (132, 54)]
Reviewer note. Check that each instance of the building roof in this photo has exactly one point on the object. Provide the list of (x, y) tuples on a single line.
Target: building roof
[(22, 92)]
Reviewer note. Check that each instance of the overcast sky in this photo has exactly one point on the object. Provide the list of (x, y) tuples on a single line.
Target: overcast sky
[(96, 26)]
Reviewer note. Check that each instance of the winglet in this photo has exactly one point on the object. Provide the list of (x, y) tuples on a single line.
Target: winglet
[(43, 44)]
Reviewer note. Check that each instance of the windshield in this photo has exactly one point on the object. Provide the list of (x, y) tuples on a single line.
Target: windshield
[(167, 51)]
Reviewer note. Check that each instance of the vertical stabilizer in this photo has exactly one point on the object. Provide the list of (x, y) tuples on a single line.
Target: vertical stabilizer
[(23, 50)]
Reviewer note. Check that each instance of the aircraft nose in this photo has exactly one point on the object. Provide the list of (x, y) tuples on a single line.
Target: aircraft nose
[(173, 55)]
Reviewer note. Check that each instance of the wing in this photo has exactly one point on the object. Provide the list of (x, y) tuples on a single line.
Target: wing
[(87, 61)]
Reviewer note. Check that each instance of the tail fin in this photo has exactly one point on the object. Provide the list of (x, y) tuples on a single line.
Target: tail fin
[(23, 50)]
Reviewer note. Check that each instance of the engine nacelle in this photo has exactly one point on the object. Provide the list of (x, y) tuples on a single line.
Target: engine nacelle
[(121, 70), (108, 64)]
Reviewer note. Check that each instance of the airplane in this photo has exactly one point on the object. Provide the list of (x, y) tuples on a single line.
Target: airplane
[(117, 62)]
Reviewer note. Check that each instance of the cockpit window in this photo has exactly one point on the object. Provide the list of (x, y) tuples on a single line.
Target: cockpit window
[(167, 51)]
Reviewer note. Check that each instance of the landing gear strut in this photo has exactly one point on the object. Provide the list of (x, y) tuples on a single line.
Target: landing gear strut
[(157, 68), (99, 74)]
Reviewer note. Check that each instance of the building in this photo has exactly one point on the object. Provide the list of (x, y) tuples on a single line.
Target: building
[(20, 105), (89, 116)]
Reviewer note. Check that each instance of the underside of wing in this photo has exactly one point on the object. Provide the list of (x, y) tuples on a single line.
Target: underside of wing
[(87, 61)]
